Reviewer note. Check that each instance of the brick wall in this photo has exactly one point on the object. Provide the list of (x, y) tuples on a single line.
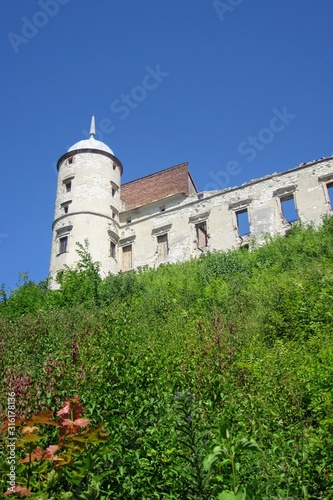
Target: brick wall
[(156, 186)]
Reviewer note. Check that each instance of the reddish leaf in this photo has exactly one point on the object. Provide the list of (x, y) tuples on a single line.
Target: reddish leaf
[(78, 411), (82, 422), (36, 455), (66, 421), (65, 409), (40, 454), (22, 490), (52, 449)]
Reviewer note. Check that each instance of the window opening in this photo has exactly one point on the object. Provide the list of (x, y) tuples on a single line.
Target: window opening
[(113, 249), (65, 206), (330, 193), (162, 247), (202, 237), (243, 223), (289, 209), (127, 258), (68, 186), (63, 242)]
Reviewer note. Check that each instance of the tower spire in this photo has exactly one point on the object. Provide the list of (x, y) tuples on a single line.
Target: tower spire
[(92, 127)]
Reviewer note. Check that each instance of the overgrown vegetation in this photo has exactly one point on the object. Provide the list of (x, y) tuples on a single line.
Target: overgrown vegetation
[(213, 377)]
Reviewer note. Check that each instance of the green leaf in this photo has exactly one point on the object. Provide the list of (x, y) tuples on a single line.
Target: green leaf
[(229, 495), (210, 459)]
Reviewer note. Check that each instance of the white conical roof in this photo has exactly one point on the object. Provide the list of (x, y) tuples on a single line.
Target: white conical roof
[(91, 143)]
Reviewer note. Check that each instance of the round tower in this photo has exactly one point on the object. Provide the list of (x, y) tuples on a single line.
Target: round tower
[(87, 205)]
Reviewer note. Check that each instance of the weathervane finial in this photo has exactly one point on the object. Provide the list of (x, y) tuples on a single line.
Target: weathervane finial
[(92, 127)]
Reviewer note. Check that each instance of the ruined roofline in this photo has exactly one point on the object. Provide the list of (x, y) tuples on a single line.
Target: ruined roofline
[(216, 192)]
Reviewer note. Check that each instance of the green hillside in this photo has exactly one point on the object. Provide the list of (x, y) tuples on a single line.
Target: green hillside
[(211, 376)]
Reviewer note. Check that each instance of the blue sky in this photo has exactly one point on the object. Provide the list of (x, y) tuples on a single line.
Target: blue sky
[(238, 88)]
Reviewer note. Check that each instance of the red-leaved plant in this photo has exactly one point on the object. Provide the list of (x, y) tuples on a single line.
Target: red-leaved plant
[(43, 467)]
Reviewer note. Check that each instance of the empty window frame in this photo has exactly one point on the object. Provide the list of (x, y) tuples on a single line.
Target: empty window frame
[(113, 250), (114, 212), (201, 235), (243, 222), (127, 259), (65, 206), (70, 160), (162, 247), (288, 208), (67, 184), (329, 187), (63, 244), (114, 189)]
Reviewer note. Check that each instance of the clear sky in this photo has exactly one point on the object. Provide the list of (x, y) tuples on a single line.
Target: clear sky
[(238, 88)]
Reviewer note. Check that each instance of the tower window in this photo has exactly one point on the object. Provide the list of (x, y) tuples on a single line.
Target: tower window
[(70, 160), (63, 243), (243, 223), (288, 208), (67, 183), (65, 206), (330, 193), (162, 247), (113, 249), (127, 258), (201, 234), (114, 189)]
